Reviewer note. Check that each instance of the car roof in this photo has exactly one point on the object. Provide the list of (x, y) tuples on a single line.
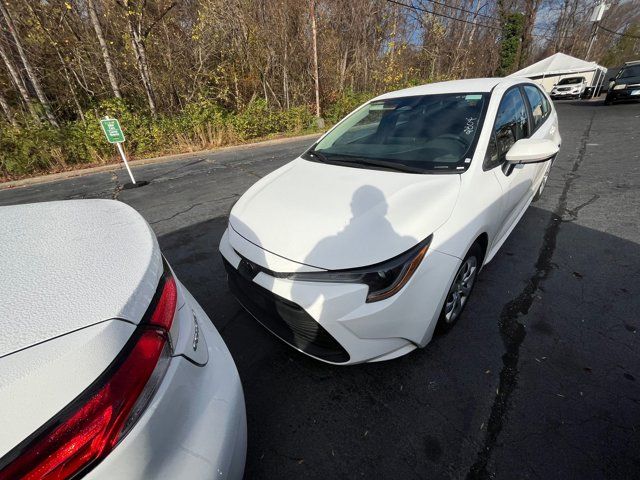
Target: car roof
[(633, 62), (471, 85)]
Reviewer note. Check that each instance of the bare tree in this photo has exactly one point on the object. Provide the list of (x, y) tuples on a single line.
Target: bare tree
[(134, 16), (7, 111), (27, 66), (19, 84), (103, 48), (316, 74), (135, 13), (526, 41)]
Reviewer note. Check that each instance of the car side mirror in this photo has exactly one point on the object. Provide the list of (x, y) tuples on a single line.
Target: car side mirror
[(612, 79), (532, 150)]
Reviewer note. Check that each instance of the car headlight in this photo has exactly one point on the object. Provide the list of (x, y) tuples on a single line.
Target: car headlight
[(384, 279), (620, 86)]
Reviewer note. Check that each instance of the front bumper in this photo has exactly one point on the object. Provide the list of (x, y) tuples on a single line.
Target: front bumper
[(624, 94), (194, 427), (332, 322), (565, 94)]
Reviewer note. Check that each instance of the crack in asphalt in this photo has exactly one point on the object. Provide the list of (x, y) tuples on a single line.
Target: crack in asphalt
[(512, 331), (573, 213), (118, 188), (247, 171), (171, 217), (169, 175), (177, 213)]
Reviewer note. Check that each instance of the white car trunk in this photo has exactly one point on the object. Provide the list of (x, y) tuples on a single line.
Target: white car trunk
[(67, 269)]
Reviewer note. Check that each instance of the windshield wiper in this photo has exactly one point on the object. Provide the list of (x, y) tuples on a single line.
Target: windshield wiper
[(318, 155), (369, 162)]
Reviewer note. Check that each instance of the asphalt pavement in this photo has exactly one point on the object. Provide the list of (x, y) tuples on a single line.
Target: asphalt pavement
[(539, 379)]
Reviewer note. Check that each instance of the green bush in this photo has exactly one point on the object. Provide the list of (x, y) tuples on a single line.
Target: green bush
[(33, 149), (345, 104)]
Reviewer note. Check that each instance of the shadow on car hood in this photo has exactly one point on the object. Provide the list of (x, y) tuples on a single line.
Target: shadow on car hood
[(336, 217)]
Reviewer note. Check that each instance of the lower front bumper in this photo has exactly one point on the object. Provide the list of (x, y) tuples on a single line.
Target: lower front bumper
[(558, 96), (332, 321), (285, 319), (195, 426), (623, 95)]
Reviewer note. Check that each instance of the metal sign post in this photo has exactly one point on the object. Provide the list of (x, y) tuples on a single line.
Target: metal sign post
[(124, 159), (114, 134)]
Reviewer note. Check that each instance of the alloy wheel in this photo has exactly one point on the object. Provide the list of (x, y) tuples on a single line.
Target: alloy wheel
[(460, 289)]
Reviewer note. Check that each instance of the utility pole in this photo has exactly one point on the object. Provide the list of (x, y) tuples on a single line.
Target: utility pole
[(314, 30), (596, 16)]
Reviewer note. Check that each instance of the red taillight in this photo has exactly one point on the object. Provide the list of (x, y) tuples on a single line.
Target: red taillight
[(162, 315), (88, 429)]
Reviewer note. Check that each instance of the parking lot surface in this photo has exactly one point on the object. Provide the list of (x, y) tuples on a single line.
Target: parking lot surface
[(539, 379)]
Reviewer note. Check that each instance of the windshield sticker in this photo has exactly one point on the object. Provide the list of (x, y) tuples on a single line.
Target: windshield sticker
[(470, 127), (473, 97)]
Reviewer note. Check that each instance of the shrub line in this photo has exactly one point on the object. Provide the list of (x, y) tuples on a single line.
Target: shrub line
[(84, 169)]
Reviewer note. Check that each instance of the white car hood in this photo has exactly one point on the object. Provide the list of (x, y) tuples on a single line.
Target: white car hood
[(336, 217), (68, 265)]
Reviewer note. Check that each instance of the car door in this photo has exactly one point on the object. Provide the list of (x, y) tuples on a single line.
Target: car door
[(512, 124)]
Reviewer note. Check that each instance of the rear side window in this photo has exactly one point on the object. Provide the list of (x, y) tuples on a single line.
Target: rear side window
[(512, 124), (539, 106)]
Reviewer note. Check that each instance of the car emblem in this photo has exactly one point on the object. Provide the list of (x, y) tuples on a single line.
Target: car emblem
[(196, 333)]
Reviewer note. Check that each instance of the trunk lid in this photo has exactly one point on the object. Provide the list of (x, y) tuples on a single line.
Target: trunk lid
[(68, 265)]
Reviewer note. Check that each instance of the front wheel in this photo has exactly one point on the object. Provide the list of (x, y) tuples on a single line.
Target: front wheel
[(460, 289)]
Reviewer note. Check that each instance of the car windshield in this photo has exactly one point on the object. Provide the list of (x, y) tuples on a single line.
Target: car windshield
[(570, 81), (414, 134), (631, 71)]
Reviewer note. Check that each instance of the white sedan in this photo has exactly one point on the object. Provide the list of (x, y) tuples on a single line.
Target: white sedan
[(108, 366), (360, 248)]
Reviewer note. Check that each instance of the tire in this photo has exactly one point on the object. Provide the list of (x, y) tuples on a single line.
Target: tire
[(460, 290), (607, 100)]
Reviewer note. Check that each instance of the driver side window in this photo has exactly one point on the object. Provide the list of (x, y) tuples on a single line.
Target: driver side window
[(512, 124)]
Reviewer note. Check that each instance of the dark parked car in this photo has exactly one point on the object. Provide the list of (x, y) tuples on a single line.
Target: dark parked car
[(625, 85)]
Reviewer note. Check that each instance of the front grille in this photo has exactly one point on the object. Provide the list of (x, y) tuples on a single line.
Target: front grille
[(284, 318)]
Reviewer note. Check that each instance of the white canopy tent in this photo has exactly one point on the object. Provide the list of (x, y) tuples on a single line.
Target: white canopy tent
[(549, 71)]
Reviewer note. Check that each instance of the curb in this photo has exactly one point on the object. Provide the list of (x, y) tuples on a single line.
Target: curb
[(53, 177)]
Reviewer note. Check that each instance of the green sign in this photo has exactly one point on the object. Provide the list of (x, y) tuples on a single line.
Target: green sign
[(112, 130)]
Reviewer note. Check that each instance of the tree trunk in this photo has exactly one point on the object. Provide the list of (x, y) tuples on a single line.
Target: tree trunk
[(343, 70), (526, 41), (7, 111), (63, 62), (143, 68), (103, 47), (316, 74), (27, 66), (137, 42), (285, 77), (72, 90), (17, 81)]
